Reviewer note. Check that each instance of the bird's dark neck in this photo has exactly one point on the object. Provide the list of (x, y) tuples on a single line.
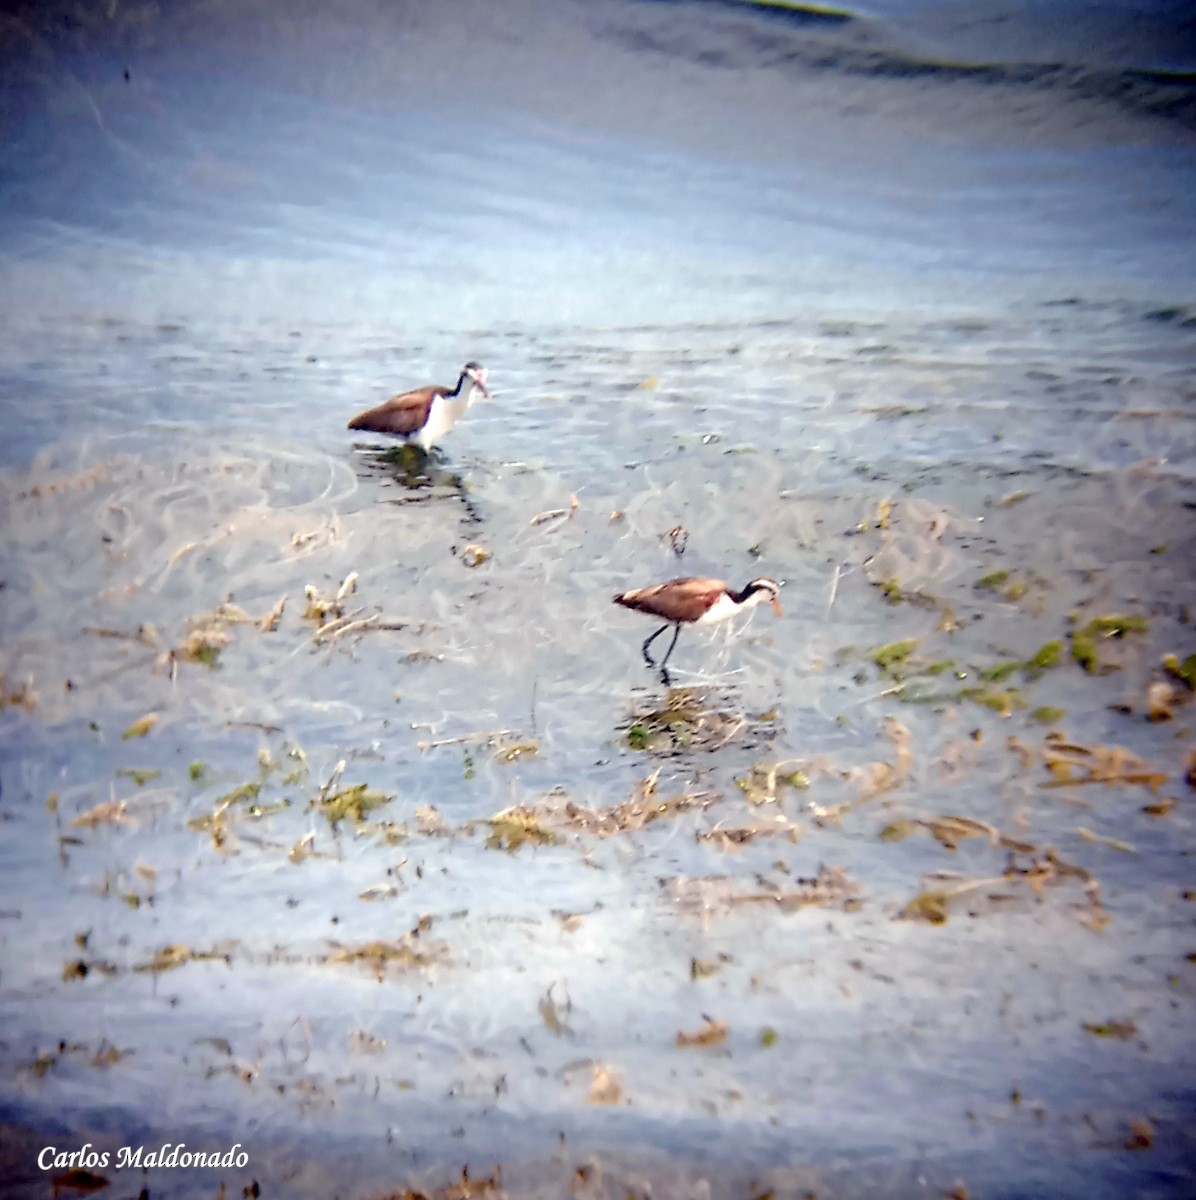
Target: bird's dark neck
[(740, 597), (457, 390)]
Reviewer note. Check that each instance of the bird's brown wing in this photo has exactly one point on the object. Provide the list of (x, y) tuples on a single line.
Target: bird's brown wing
[(678, 600), (400, 414)]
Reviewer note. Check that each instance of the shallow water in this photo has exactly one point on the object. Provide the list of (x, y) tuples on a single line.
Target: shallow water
[(850, 315)]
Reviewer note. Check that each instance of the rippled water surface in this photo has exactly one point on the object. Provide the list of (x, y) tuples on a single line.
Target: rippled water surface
[(889, 897)]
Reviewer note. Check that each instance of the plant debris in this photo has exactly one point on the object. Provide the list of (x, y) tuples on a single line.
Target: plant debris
[(406, 952), (605, 1088), (268, 623), (732, 837), (139, 775), (319, 607), (641, 809), (762, 783), (1072, 765), (175, 955), (20, 695), (109, 812), (1121, 1030), (140, 727), (710, 1033), (515, 826)]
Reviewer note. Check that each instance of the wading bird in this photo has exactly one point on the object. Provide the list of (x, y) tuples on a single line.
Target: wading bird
[(695, 602), (424, 416)]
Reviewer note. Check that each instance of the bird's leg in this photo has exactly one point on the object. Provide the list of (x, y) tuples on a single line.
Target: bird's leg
[(676, 635), (665, 677), (649, 641)]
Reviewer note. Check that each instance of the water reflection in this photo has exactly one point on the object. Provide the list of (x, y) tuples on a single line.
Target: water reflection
[(421, 476)]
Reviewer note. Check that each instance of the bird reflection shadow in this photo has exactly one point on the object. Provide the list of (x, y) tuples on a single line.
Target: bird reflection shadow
[(423, 476), (684, 720)]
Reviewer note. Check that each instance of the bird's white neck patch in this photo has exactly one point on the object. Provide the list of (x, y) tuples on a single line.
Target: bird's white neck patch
[(721, 609)]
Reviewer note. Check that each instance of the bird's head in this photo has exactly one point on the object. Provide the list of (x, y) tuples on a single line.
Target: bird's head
[(767, 590), (477, 376)]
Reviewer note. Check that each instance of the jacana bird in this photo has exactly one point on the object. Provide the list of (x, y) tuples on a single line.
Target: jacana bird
[(424, 416), (693, 601)]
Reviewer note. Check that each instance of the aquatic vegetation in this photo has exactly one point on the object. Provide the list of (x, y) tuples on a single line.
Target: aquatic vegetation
[(891, 658), (1121, 1030), (831, 886), (687, 720), (1072, 765), (140, 727), (139, 775), (196, 771), (930, 906), (512, 750), (351, 804), (515, 826), (639, 737), (1084, 640), (202, 646), (506, 745), (175, 955), (474, 555), (762, 783), (1049, 655), (411, 951), (999, 671), (245, 791), (1184, 671), (993, 581), (733, 836), (1045, 715), (891, 590), (641, 809), (1001, 701)]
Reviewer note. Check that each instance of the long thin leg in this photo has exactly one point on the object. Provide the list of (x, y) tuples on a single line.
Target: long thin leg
[(676, 635), (649, 641)]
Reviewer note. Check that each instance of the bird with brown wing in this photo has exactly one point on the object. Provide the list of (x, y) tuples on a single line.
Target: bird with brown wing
[(423, 416)]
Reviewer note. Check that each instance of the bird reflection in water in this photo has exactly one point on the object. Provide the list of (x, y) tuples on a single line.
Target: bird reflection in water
[(422, 476)]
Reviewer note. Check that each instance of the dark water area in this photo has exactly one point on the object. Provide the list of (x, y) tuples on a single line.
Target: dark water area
[(339, 815)]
